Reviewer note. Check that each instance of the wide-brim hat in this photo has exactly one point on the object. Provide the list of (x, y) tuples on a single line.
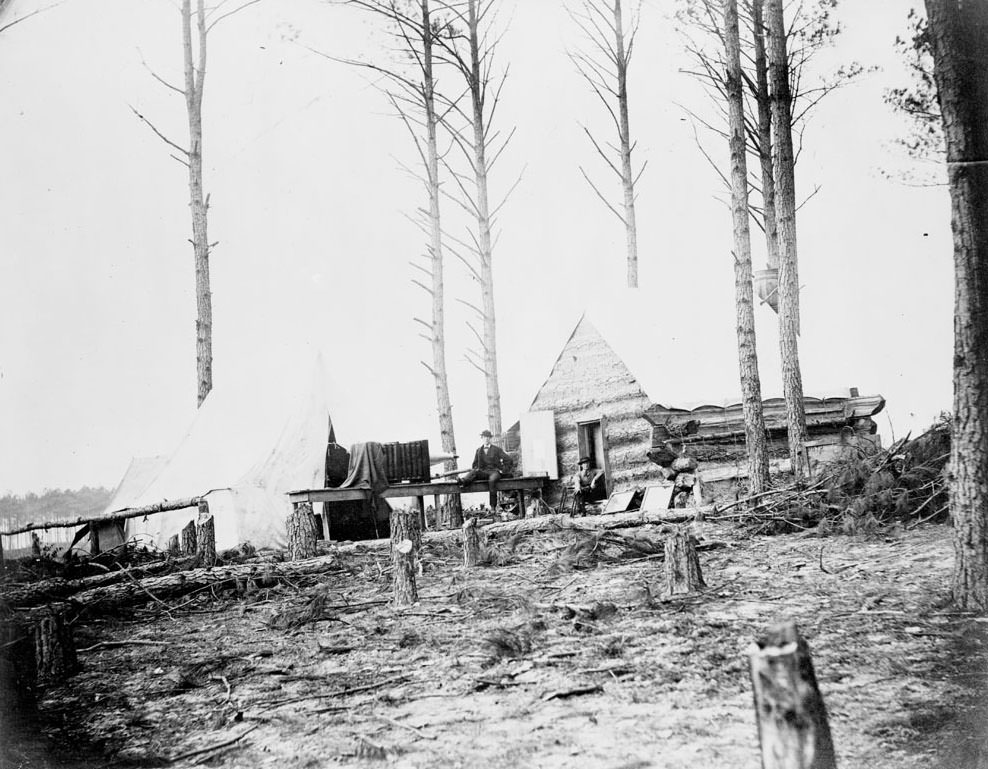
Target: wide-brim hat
[(584, 461), (486, 434)]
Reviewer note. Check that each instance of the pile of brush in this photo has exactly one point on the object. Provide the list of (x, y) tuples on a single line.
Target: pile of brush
[(860, 491)]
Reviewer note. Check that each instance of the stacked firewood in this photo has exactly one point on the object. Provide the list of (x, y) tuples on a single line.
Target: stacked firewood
[(682, 472)]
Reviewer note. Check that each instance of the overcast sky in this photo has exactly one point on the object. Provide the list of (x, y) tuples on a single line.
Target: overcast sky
[(309, 203)]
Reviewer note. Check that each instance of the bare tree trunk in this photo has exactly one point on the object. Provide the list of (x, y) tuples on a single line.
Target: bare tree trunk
[(751, 388), (627, 179), (785, 190), (443, 407), (477, 82), (958, 31), (764, 104), (195, 75)]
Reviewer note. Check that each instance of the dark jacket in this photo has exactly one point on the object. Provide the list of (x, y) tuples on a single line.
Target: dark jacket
[(495, 459)]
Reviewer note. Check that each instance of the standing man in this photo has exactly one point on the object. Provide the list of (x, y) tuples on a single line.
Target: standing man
[(489, 462)]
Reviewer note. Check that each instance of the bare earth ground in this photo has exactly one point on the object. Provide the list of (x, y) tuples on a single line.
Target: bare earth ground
[(513, 666)]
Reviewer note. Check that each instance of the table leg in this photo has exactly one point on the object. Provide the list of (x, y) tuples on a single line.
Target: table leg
[(421, 506)]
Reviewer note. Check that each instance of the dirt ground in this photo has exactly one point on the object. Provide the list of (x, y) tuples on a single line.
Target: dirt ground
[(563, 655)]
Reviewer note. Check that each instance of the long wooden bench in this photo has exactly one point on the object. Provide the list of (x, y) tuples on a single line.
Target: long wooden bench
[(419, 491)]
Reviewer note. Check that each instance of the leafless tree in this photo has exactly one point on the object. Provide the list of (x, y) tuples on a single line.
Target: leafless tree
[(779, 96), (470, 41), (958, 30), (604, 66), (412, 92), (194, 47), (751, 390)]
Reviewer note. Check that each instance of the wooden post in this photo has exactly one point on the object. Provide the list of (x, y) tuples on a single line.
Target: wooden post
[(421, 508), (403, 558), (205, 536), (54, 649), (471, 543), (301, 532), (682, 566), (173, 544), (189, 538), (792, 721)]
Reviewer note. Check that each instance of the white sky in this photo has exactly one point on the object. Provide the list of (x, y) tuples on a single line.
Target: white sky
[(97, 306)]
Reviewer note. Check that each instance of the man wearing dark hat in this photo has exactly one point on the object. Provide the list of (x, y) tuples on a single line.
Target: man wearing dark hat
[(587, 483), (489, 462)]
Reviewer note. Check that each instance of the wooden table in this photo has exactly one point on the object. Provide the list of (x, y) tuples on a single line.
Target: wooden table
[(420, 491)]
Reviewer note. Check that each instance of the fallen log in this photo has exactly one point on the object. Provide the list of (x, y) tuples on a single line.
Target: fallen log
[(24, 596), (123, 515), (137, 592), (555, 522)]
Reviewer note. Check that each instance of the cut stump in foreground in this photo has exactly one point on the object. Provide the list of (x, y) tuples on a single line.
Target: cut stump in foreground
[(189, 538), (403, 557), (205, 536), (302, 534), (471, 543), (682, 565), (792, 721)]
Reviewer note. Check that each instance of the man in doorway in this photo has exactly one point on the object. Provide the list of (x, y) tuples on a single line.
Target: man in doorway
[(490, 462), (588, 483)]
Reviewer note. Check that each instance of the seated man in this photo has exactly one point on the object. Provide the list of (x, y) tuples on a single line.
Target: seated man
[(588, 485), (489, 462)]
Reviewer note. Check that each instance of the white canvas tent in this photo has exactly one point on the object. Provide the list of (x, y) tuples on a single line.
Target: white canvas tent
[(250, 442), (139, 474)]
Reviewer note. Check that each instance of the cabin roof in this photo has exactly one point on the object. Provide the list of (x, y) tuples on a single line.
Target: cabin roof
[(684, 355)]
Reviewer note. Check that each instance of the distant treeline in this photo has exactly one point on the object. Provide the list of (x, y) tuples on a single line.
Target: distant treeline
[(53, 505)]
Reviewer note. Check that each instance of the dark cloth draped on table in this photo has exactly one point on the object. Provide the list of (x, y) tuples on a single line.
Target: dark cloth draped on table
[(368, 471)]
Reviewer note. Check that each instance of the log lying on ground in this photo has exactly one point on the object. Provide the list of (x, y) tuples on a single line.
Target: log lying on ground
[(792, 721), (46, 591), (169, 586), (556, 522)]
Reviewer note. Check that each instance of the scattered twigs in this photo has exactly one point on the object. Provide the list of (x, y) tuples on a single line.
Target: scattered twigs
[(211, 748)]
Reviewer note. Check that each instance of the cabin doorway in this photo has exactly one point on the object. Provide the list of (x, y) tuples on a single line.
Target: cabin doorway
[(592, 442)]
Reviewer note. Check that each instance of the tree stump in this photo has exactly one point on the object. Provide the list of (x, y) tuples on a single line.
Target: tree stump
[(17, 674), (205, 536), (173, 544), (405, 525), (403, 559), (682, 566), (452, 512), (471, 543), (302, 534), (54, 648), (792, 721), (189, 539)]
